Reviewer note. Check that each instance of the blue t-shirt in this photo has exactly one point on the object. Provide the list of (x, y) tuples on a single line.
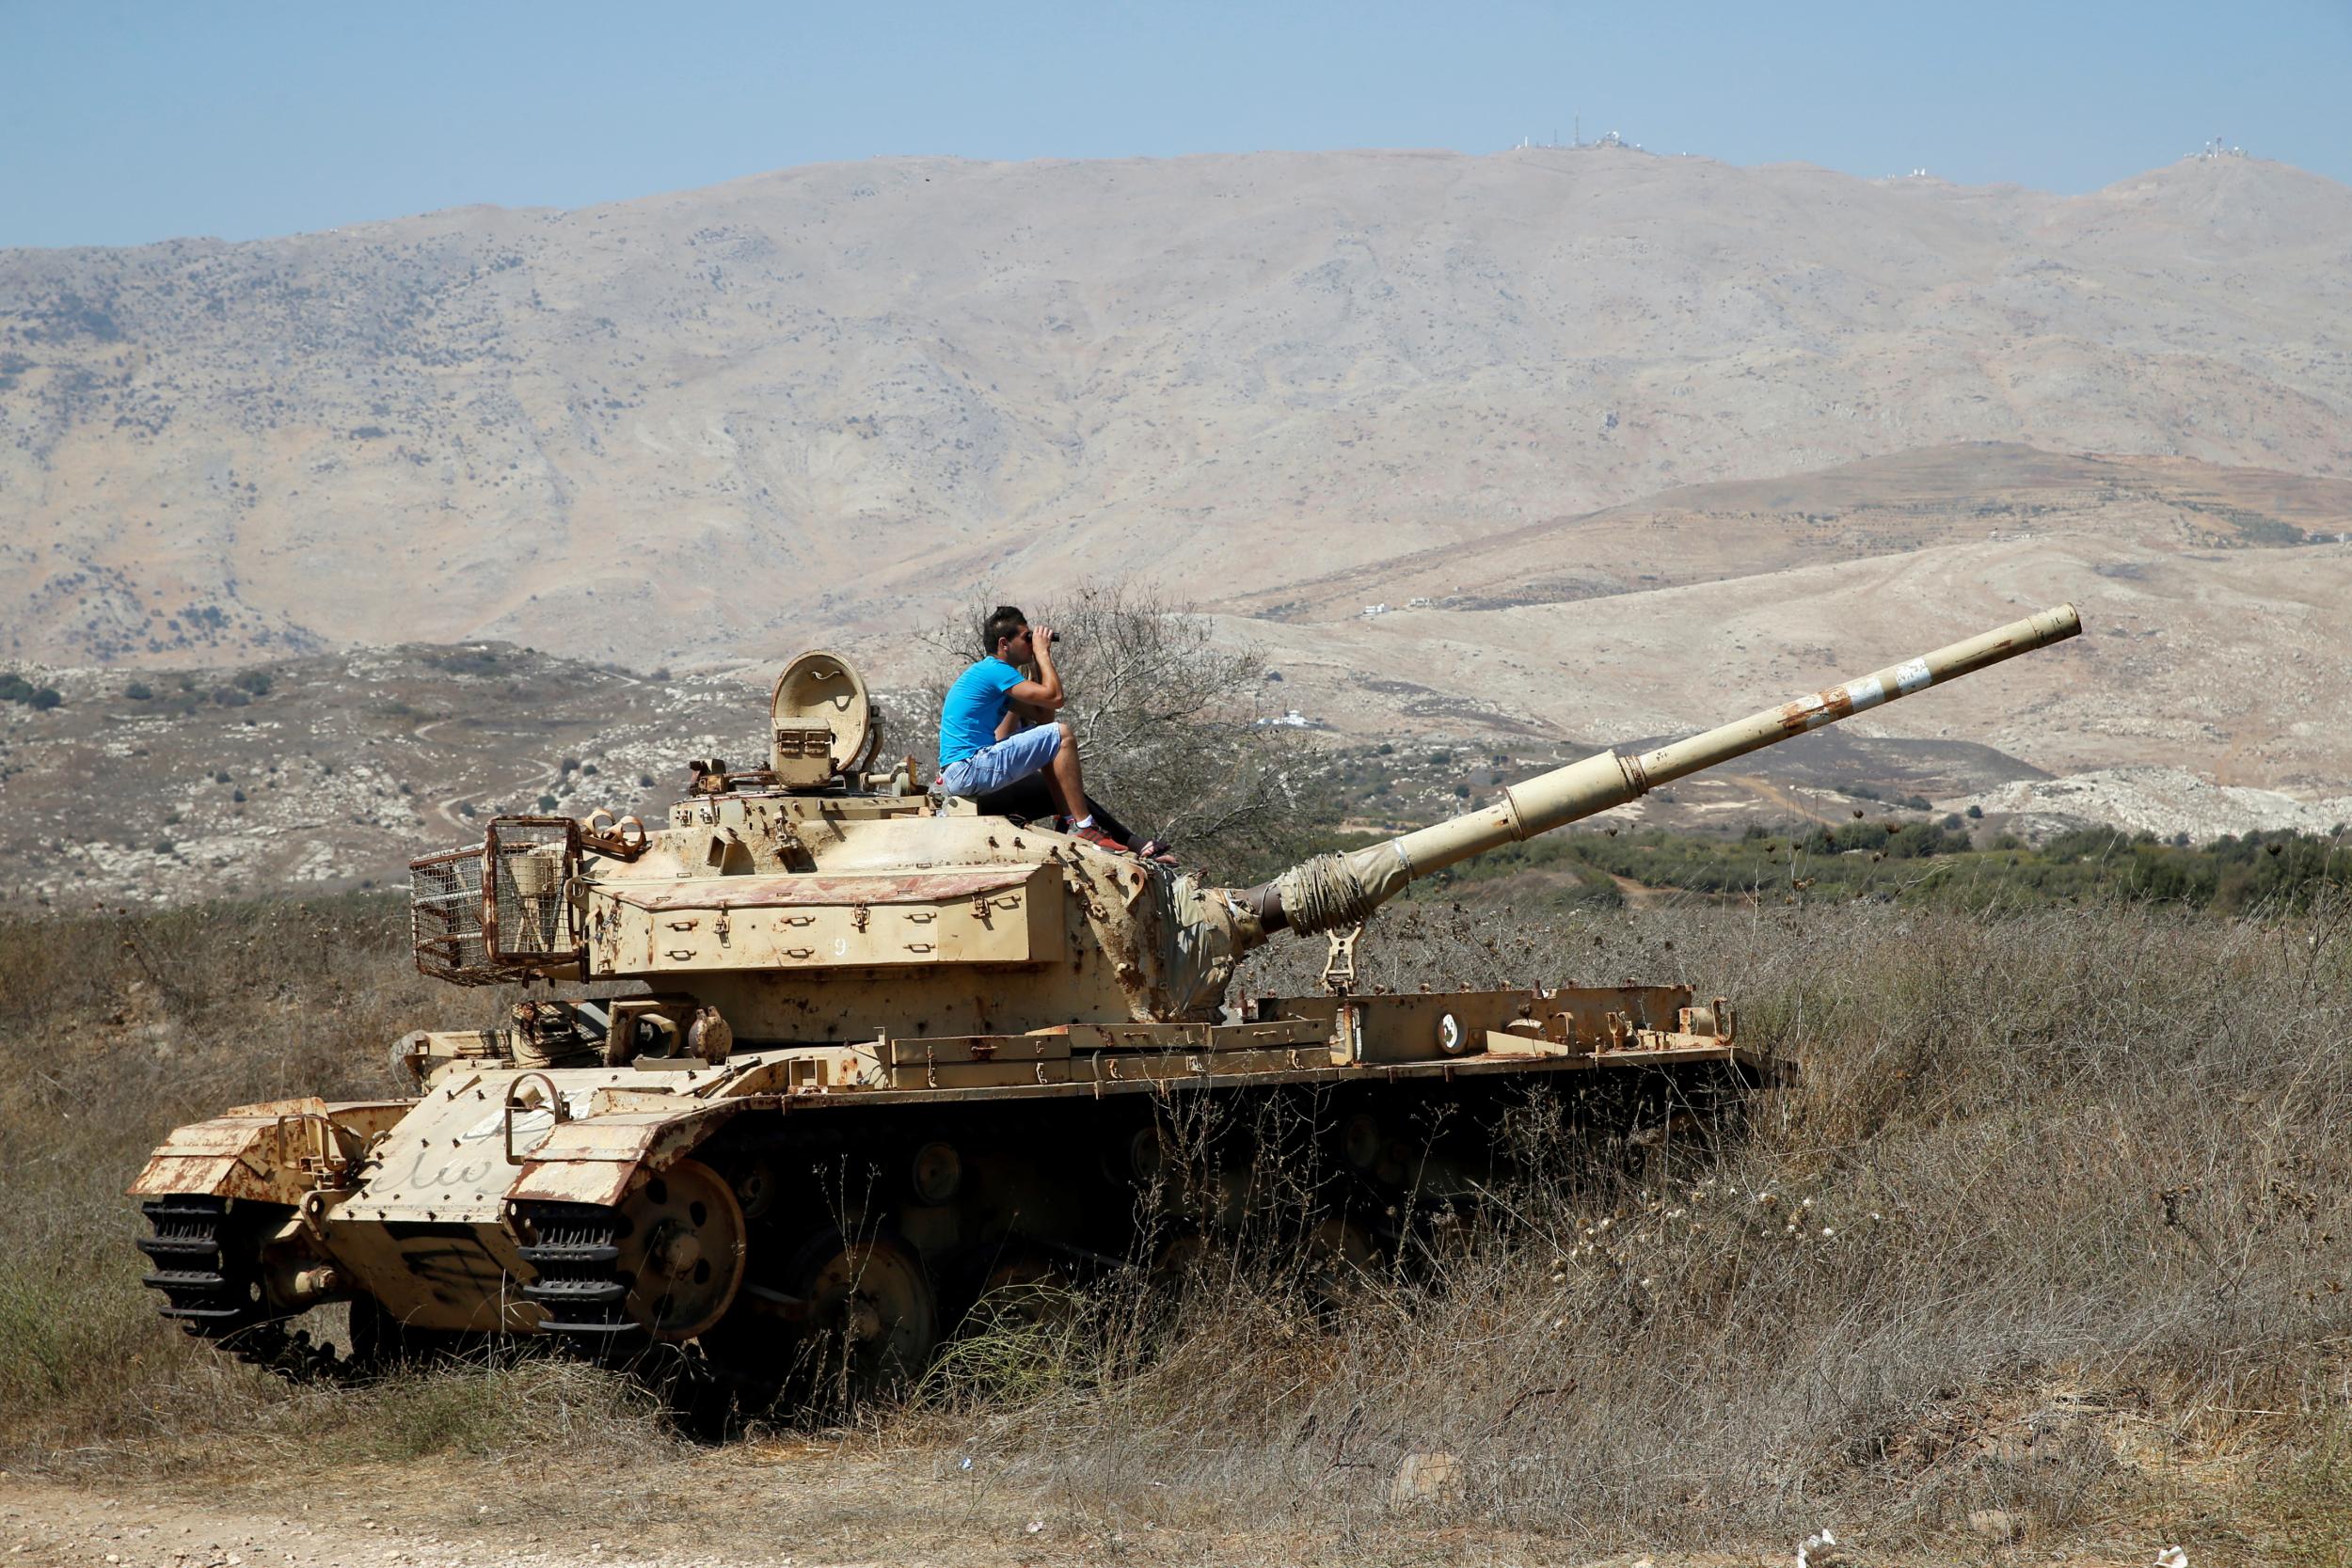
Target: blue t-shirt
[(976, 705)]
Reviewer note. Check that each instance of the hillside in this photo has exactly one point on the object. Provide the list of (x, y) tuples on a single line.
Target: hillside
[(2212, 602), (1544, 449), (336, 771), (711, 424)]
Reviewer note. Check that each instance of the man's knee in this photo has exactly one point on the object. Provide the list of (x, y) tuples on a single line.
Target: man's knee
[(1066, 740)]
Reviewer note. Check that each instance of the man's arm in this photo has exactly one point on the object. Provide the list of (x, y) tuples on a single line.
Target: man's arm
[(1044, 691), (1020, 715)]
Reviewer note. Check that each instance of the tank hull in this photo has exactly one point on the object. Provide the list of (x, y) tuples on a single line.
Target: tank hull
[(961, 1164)]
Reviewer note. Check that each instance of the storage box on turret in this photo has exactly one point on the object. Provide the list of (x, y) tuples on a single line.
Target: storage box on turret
[(1003, 914)]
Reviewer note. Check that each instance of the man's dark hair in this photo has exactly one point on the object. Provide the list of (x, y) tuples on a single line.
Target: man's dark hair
[(1004, 622)]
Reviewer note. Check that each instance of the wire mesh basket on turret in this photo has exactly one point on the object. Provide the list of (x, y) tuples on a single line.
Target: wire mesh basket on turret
[(497, 911), (445, 918)]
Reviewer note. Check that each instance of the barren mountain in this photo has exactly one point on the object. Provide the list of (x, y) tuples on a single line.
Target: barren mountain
[(2214, 601), (1576, 445), (719, 421)]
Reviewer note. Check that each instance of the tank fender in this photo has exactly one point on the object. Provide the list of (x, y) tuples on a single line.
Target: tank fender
[(273, 1153), (598, 1159)]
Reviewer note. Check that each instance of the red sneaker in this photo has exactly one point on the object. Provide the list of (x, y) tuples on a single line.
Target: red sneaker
[(1101, 840)]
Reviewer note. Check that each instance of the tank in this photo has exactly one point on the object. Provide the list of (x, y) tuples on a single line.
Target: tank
[(799, 1076)]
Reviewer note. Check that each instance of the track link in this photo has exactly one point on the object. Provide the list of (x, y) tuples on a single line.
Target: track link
[(207, 1263), (575, 1253)]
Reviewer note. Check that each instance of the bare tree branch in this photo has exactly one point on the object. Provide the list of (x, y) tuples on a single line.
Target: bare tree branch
[(1170, 722)]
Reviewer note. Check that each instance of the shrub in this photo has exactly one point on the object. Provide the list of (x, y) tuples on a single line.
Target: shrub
[(1164, 718)]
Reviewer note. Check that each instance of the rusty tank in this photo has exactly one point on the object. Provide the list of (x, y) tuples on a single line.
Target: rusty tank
[(801, 1074)]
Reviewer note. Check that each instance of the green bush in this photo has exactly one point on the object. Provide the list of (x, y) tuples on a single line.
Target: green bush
[(1923, 865)]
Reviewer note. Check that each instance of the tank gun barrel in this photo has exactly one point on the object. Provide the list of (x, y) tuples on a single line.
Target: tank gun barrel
[(1334, 890)]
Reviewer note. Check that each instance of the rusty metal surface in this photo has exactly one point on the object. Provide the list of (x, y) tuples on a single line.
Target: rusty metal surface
[(1115, 1076), (216, 1176), (598, 1160), (448, 1161), (791, 891), (246, 1153)]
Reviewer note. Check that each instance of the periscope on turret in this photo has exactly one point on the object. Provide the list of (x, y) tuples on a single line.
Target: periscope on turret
[(802, 1073)]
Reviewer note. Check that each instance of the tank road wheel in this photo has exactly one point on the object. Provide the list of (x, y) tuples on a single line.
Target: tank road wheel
[(1025, 1290), (665, 1265), (681, 1251), (873, 1318)]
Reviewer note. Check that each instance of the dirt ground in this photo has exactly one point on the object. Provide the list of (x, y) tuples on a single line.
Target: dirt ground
[(782, 1506)]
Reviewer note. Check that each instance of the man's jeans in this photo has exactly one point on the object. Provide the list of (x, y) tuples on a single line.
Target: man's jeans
[(1016, 757)]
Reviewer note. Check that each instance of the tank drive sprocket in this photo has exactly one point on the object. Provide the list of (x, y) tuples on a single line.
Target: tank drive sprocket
[(662, 1266)]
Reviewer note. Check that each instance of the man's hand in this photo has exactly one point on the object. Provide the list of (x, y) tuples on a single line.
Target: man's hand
[(1045, 692)]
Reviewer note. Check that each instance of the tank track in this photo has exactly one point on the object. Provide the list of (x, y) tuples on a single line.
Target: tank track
[(575, 1252), (213, 1289), (583, 1291)]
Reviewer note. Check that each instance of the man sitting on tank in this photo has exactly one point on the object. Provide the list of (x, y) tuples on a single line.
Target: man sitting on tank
[(986, 755)]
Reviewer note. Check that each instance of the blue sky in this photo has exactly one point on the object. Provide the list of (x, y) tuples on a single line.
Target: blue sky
[(122, 122)]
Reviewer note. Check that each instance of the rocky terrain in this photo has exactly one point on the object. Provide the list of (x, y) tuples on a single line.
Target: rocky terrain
[(338, 771), (2161, 800)]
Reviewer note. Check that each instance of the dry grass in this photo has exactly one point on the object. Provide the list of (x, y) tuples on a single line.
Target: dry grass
[(116, 1027), (2058, 1203), (2054, 1223)]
